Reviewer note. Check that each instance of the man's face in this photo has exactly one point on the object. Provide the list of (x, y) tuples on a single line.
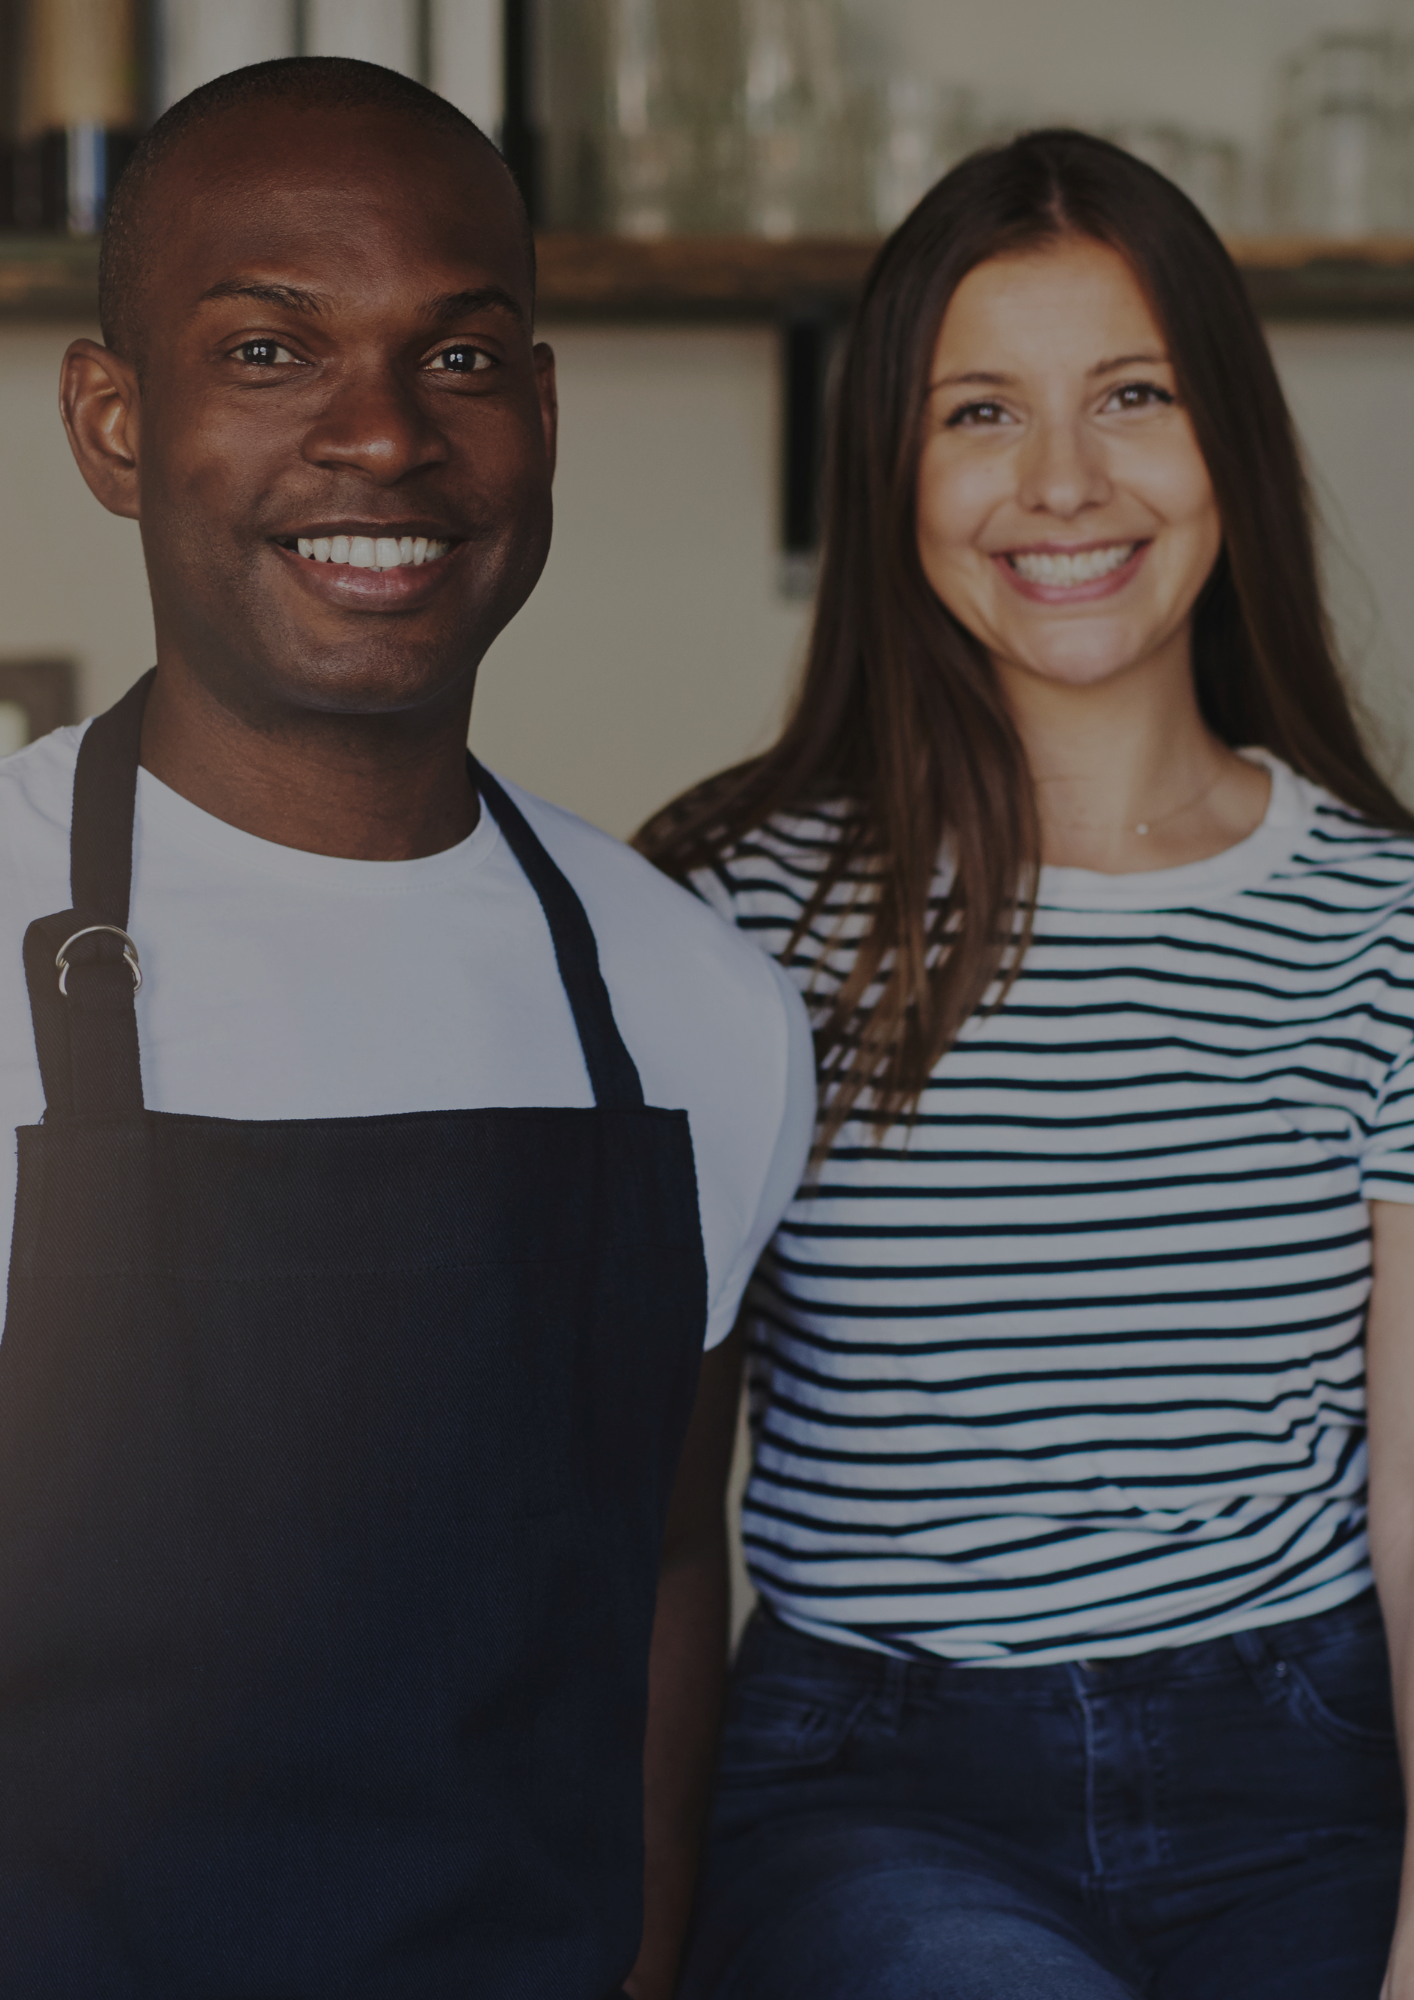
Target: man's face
[(338, 375)]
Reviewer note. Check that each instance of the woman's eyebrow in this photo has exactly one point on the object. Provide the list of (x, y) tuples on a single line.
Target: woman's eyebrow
[(1130, 361), (978, 377)]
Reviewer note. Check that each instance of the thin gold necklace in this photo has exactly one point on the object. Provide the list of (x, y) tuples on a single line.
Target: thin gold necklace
[(1145, 826)]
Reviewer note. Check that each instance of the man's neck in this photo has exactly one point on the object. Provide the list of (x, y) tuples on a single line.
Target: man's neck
[(364, 788)]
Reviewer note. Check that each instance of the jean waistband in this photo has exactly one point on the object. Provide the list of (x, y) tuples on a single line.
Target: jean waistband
[(770, 1645)]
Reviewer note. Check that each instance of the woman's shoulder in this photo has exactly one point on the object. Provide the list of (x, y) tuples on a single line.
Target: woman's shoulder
[(773, 870), (1360, 855)]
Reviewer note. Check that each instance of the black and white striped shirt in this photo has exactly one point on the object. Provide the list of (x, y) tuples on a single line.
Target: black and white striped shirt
[(1075, 1368)]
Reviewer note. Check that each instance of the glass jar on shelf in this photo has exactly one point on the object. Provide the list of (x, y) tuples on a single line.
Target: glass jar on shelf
[(1339, 163)]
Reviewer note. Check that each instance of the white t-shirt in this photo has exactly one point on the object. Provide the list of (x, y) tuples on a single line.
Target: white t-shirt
[(281, 984)]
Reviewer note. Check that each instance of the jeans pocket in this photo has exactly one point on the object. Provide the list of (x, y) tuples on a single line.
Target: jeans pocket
[(1339, 1681), (777, 1726)]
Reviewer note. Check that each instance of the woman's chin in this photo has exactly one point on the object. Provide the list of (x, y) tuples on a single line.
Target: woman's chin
[(1077, 667)]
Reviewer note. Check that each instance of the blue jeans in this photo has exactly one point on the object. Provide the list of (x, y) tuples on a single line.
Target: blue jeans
[(1212, 1822)]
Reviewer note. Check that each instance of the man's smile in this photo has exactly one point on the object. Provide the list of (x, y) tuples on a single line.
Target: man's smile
[(370, 571), (369, 551)]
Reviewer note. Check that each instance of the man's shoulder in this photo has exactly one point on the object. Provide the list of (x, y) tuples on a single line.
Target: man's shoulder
[(36, 805), (697, 1002), (38, 781), (633, 906)]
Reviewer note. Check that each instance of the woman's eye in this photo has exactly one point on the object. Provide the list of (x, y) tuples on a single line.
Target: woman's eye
[(460, 360), (263, 353), (1136, 396), (978, 413)]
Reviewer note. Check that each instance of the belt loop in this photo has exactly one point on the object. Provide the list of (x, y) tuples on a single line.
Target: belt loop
[(1269, 1674), (890, 1695)]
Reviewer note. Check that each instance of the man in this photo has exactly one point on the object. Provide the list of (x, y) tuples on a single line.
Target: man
[(357, 1289)]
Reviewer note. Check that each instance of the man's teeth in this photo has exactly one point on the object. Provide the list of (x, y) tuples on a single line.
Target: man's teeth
[(1083, 567), (366, 552)]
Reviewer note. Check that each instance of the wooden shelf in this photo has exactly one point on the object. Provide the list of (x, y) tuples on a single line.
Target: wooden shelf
[(742, 277), (695, 277), (610, 278), (48, 278)]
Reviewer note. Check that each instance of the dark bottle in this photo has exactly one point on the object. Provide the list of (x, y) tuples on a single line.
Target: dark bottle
[(9, 109), (78, 111)]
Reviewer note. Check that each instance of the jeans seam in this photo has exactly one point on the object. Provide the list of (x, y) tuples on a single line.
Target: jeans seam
[(1087, 1723)]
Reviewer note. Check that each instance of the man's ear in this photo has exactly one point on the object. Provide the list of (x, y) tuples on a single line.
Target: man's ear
[(98, 400), (549, 399)]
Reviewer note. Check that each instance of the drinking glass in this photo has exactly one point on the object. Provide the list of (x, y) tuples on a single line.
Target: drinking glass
[(648, 136), (918, 129), (800, 151)]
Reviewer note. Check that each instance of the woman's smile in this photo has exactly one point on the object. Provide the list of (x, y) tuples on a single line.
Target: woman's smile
[(1056, 574)]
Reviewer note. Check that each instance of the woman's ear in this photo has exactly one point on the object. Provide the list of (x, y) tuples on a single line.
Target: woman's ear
[(98, 400)]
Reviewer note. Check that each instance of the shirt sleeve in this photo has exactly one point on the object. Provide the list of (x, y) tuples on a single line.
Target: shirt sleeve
[(786, 1169), (708, 884), (1387, 1163)]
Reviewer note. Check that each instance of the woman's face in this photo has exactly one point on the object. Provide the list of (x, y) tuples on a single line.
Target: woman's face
[(1065, 515)]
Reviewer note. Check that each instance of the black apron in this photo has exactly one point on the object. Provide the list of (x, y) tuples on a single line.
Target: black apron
[(334, 1461)]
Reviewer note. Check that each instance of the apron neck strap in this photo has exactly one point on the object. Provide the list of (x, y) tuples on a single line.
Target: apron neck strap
[(86, 1032), (105, 799), (80, 965), (612, 1075)]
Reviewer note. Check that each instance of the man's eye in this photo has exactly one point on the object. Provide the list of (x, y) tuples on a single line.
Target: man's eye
[(460, 360), (263, 353)]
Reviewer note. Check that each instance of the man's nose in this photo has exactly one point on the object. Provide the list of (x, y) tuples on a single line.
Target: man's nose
[(374, 423), (1063, 468)]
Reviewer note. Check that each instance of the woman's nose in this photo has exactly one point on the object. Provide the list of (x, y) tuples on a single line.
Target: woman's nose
[(1062, 469)]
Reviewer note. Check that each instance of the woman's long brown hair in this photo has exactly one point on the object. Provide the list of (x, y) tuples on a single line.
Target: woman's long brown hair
[(898, 716)]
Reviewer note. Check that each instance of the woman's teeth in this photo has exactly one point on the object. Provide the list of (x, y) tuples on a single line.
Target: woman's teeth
[(364, 552), (1083, 567)]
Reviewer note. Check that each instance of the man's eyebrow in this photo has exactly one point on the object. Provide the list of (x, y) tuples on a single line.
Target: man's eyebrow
[(297, 299), (453, 305), (292, 298)]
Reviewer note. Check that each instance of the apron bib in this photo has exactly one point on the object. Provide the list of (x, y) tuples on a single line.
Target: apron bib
[(334, 1461)]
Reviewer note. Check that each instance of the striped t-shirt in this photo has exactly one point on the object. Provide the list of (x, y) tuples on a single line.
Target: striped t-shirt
[(1074, 1368)]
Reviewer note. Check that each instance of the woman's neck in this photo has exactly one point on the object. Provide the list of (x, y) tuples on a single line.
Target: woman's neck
[(1128, 776)]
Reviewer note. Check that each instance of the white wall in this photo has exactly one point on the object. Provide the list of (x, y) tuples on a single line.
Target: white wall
[(1352, 391), (656, 648)]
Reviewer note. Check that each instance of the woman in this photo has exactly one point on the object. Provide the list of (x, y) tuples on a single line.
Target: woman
[(1069, 1678)]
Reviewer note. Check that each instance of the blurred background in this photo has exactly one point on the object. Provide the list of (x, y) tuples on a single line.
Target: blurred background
[(708, 179)]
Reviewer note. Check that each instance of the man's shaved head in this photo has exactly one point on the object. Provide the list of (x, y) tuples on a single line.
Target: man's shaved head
[(299, 84), (321, 398)]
